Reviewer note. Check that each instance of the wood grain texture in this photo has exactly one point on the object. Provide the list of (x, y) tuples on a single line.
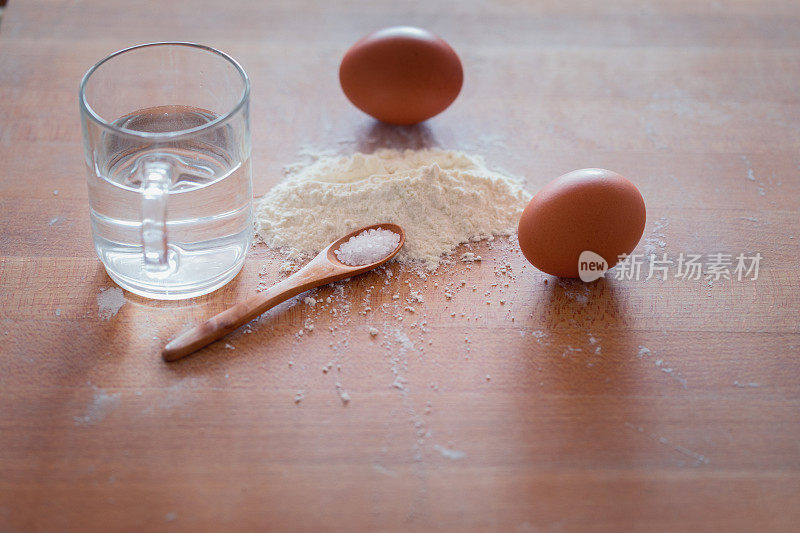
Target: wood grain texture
[(527, 407)]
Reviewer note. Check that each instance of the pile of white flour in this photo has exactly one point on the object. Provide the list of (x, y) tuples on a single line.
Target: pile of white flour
[(441, 198)]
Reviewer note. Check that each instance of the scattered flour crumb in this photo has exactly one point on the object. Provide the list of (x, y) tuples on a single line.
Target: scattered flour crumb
[(656, 239), (469, 257), (699, 459), (449, 453), (752, 384), (102, 404), (383, 470), (109, 302), (663, 366), (342, 394)]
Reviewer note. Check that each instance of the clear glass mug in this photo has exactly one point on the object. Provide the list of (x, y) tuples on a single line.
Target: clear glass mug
[(166, 134)]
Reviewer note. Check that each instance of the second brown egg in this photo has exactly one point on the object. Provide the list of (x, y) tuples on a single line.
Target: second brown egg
[(591, 209)]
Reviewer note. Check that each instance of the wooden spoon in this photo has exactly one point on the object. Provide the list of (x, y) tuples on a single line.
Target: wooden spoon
[(323, 269)]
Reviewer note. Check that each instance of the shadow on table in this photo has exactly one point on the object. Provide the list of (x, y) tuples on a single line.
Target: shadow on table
[(585, 363), (586, 325), (378, 135), (136, 326)]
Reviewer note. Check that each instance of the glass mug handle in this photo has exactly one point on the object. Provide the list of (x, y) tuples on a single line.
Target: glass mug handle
[(156, 177)]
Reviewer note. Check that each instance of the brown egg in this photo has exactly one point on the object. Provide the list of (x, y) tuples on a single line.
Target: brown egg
[(401, 75), (590, 209)]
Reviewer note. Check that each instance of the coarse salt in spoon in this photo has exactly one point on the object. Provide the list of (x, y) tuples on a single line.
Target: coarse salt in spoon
[(331, 264)]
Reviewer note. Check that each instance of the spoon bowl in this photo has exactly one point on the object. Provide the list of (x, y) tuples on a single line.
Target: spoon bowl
[(323, 269), (394, 228)]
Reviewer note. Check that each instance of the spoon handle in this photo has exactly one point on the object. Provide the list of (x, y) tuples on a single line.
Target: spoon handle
[(323, 269), (314, 274)]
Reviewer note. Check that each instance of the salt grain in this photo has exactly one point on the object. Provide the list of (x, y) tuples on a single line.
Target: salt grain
[(367, 247)]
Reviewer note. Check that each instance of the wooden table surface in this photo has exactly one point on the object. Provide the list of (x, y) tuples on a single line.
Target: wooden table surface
[(543, 405)]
